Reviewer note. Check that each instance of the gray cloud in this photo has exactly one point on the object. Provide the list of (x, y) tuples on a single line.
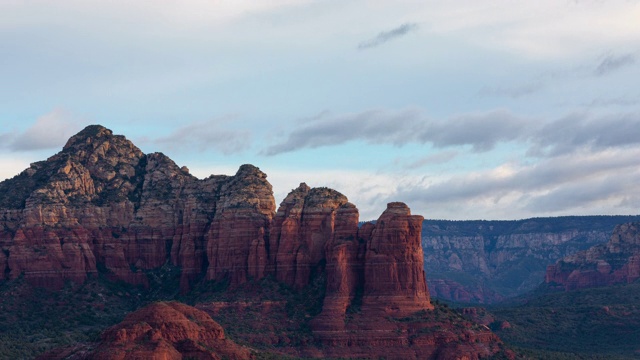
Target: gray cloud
[(386, 36), (613, 63), (585, 193), (207, 135), (51, 130), (578, 131), (566, 183), (481, 131)]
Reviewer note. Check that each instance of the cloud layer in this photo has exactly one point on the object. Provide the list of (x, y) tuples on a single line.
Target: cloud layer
[(481, 131), (573, 183)]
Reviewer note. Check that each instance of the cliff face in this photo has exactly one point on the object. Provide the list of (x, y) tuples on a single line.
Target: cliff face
[(102, 203), (615, 262), (487, 261), (305, 221)]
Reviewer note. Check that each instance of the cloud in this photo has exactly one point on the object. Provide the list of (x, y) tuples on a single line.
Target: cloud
[(613, 63), (208, 135), (51, 130), (481, 131), (582, 130), (386, 36), (588, 182)]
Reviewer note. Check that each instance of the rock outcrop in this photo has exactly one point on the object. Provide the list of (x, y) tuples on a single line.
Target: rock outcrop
[(377, 300), (102, 204), (616, 262), (305, 221), (393, 267), (484, 261), (165, 330)]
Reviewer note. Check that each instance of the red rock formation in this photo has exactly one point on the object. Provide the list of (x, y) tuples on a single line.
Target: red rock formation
[(394, 270), (377, 303), (236, 242), (163, 331), (102, 203), (301, 228), (616, 262)]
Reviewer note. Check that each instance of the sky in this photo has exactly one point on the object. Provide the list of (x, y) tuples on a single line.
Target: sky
[(466, 109)]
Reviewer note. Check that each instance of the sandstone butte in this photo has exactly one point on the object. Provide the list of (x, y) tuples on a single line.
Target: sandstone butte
[(101, 204), (615, 262)]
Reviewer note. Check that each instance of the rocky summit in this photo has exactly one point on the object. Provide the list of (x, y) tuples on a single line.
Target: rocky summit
[(102, 207), (616, 262)]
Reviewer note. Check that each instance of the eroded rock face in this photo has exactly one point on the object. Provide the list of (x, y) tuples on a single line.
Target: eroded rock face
[(616, 262), (376, 293), (167, 331), (102, 203), (393, 271), (304, 223)]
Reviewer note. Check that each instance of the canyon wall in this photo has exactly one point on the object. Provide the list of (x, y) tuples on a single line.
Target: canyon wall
[(488, 261)]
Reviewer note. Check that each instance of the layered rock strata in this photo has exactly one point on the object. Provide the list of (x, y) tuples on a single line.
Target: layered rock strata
[(101, 203), (616, 262)]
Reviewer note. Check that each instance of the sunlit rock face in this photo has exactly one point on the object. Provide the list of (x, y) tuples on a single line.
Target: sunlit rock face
[(101, 203)]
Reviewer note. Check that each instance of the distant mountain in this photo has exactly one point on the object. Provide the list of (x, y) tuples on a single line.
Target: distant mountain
[(488, 261)]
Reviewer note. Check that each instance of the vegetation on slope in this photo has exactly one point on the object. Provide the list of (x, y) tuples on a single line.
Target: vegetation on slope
[(584, 324)]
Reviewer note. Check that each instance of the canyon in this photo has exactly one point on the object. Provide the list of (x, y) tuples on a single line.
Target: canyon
[(479, 261)]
